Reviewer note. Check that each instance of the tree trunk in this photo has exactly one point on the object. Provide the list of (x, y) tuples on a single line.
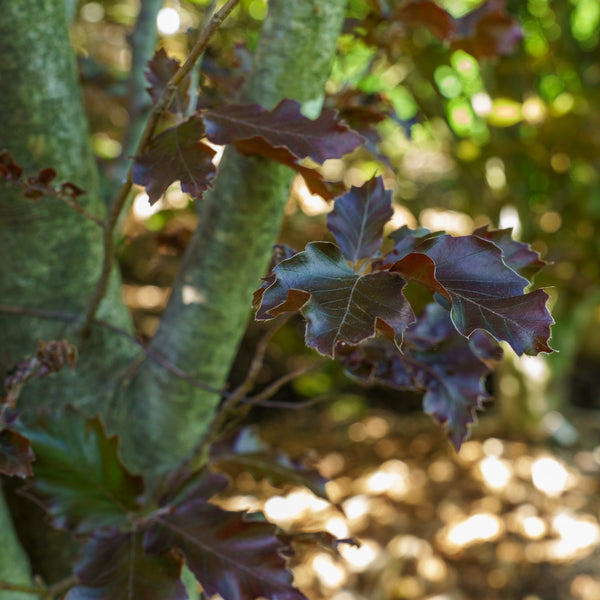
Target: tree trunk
[(239, 222), (51, 256)]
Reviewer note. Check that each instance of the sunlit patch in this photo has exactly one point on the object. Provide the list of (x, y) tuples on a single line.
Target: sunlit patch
[(549, 476), (494, 173), (142, 209), (577, 537), (534, 110), (360, 558), (357, 507), (451, 221), (330, 573), (338, 527), (509, 217), (390, 478), (168, 21), (285, 509), (585, 587), (482, 104), (495, 472), (408, 546), (432, 568), (310, 204), (478, 528), (92, 12)]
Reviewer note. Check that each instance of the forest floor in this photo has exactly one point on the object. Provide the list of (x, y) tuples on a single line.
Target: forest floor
[(504, 519)]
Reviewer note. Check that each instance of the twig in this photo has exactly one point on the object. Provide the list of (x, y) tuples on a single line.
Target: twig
[(286, 405), (274, 387), (41, 590), (121, 199), (258, 360), (152, 354)]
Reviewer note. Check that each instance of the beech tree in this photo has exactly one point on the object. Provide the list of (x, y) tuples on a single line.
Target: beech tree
[(124, 444)]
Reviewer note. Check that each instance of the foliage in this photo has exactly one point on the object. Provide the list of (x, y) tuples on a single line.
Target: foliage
[(135, 533)]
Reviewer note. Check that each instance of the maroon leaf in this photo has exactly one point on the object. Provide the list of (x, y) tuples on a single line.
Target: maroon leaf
[(405, 241), (436, 360), (229, 554), (485, 294), (177, 154), (518, 256), (488, 31), (313, 179), (358, 219), (247, 453), (114, 566), (338, 304), (160, 71), (426, 13), (16, 454), (283, 127), (79, 477)]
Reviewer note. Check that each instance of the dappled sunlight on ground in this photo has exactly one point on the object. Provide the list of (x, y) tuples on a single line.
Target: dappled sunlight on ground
[(502, 520)]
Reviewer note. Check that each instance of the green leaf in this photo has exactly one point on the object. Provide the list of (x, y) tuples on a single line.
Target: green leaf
[(79, 477)]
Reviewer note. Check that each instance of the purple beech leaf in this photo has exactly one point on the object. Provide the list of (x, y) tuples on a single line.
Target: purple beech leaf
[(114, 566), (230, 554), (426, 13), (79, 478), (405, 241), (338, 304), (283, 127), (158, 74), (184, 485), (436, 360), (16, 454), (487, 31), (176, 154), (518, 256), (485, 293), (358, 219), (247, 453)]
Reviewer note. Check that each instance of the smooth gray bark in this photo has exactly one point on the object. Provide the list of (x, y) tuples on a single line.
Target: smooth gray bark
[(239, 222)]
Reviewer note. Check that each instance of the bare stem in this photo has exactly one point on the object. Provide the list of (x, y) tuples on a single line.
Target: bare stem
[(121, 199), (40, 589)]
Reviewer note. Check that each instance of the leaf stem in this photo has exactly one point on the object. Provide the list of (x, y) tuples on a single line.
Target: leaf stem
[(40, 589), (121, 199)]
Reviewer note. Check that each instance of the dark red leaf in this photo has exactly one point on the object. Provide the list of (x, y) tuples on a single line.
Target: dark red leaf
[(436, 360), (79, 477), (426, 13), (358, 219), (247, 453), (114, 566), (488, 31), (160, 70), (176, 154), (338, 304), (518, 256), (283, 127), (230, 555), (485, 294), (313, 179), (16, 454)]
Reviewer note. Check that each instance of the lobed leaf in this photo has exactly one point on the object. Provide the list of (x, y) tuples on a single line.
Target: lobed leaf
[(518, 256), (358, 219), (79, 478), (485, 293), (229, 554), (176, 154), (114, 566), (283, 127), (338, 304), (247, 453), (16, 454), (436, 360), (160, 70)]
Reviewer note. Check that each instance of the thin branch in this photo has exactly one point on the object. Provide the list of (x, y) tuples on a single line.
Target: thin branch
[(258, 360), (40, 589), (121, 199), (152, 354), (274, 387), (302, 404)]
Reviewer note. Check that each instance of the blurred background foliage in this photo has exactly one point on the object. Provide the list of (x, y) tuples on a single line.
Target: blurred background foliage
[(463, 140)]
